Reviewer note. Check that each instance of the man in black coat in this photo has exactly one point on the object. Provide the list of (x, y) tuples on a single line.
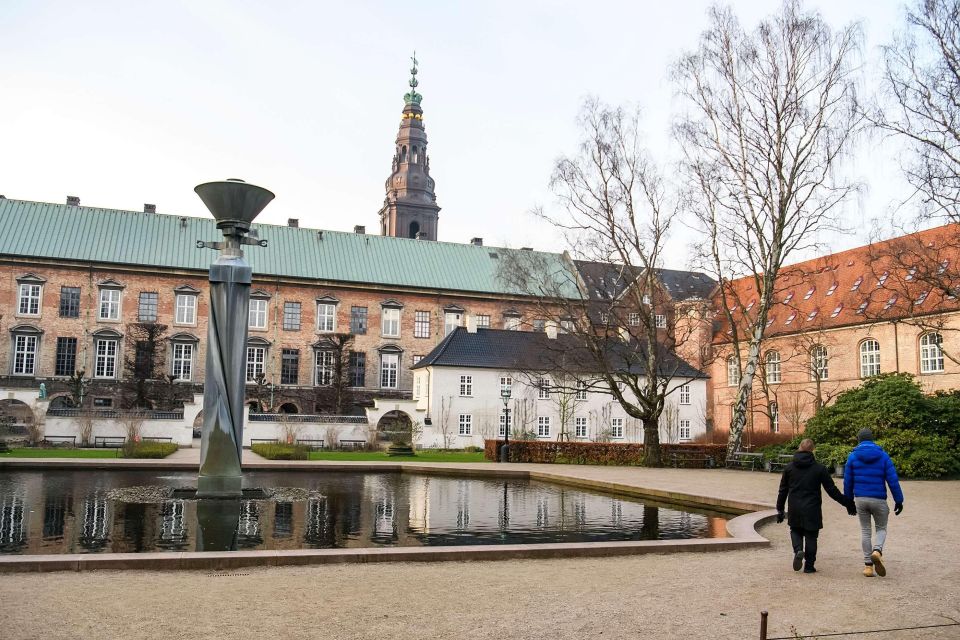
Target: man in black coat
[(801, 481)]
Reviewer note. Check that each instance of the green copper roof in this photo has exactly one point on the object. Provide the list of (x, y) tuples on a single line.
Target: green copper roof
[(87, 234)]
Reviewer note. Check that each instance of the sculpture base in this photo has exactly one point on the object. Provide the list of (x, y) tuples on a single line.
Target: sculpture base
[(219, 486)]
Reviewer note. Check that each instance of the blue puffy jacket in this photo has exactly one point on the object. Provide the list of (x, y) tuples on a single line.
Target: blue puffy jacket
[(867, 472)]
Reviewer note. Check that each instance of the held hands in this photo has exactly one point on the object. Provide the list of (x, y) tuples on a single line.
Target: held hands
[(851, 508), (897, 508), (780, 516)]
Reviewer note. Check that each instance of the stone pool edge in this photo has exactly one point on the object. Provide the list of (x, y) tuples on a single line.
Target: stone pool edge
[(742, 529)]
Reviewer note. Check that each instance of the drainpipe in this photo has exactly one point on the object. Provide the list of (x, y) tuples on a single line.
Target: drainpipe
[(896, 347)]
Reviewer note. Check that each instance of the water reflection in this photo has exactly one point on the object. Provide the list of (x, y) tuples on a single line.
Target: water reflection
[(38, 514)]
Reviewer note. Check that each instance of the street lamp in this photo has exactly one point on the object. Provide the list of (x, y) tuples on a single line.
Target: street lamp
[(505, 449)]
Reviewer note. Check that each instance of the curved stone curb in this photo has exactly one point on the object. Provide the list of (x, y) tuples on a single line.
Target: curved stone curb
[(742, 529)]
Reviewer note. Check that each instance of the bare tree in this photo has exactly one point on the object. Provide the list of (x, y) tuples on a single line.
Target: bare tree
[(669, 423), (770, 115), (146, 361), (334, 378), (443, 421), (616, 211)]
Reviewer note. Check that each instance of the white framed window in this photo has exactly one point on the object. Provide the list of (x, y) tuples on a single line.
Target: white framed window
[(389, 370), (324, 368), (505, 419), (685, 394), (733, 372), (869, 358), (566, 326), (683, 430), (580, 427), (326, 317), (819, 363), (774, 417), (660, 321), (543, 389), (483, 321), (182, 368), (465, 424), (256, 362), (581, 393), (616, 428), (543, 426), (29, 299), (773, 366), (105, 358), (451, 320), (186, 309), (506, 384), (110, 304), (931, 355), (390, 322), (258, 313), (421, 324), (646, 298), (466, 386), (511, 323), (415, 359), (25, 354)]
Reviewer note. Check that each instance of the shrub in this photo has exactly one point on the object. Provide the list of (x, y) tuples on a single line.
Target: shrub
[(280, 451), (601, 453), (148, 449), (921, 456), (472, 449)]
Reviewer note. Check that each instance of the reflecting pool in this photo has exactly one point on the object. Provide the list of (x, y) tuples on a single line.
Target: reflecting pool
[(131, 511)]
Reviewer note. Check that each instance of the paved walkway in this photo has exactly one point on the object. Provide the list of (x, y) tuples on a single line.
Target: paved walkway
[(692, 595)]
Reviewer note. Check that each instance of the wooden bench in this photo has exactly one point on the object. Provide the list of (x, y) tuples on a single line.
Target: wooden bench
[(781, 461), (312, 445), (109, 442), (54, 440), (156, 439), (254, 441), (353, 444), (687, 460), (744, 460)]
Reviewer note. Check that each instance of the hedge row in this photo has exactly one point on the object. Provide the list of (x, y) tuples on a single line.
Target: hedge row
[(606, 453), (280, 451), (148, 449)]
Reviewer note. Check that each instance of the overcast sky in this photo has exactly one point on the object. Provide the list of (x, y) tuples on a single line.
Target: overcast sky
[(123, 103)]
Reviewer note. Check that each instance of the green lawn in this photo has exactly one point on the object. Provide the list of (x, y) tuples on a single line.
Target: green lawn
[(380, 456), (60, 453)]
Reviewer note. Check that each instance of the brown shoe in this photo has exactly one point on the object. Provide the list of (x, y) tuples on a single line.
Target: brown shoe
[(877, 558), (868, 571)]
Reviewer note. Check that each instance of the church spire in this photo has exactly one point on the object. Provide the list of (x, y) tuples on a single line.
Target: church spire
[(410, 208)]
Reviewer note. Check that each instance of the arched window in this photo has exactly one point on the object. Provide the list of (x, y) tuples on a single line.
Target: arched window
[(819, 363), (414, 154), (733, 371), (773, 367), (403, 153), (869, 358), (931, 356), (414, 229)]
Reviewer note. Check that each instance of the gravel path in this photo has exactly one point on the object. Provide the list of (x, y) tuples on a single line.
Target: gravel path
[(697, 595)]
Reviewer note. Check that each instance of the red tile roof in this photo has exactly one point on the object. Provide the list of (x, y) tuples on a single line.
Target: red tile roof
[(892, 279)]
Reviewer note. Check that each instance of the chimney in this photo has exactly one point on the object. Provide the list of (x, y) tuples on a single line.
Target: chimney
[(551, 329), (73, 201), (359, 228), (471, 323), (293, 222), (477, 242), (149, 208)]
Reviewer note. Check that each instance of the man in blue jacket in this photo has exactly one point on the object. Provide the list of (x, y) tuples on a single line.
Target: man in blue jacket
[(868, 472)]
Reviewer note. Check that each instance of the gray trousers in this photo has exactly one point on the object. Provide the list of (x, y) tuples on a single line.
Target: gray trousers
[(878, 510)]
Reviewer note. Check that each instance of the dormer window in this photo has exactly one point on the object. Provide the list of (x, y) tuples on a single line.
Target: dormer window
[(882, 279), (856, 285), (771, 320), (788, 298), (790, 319), (837, 311), (809, 293), (832, 288), (862, 308), (812, 315), (921, 298), (892, 301), (750, 306), (910, 274), (943, 267)]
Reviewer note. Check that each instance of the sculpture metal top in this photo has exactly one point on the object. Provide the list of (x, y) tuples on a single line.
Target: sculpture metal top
[(234, 205), (413, 97)]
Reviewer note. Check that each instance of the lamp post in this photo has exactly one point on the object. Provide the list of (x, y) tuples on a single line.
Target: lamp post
[(234, 204), (505, 449)]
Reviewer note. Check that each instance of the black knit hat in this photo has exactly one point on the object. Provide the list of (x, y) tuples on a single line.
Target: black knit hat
[(864, 434)]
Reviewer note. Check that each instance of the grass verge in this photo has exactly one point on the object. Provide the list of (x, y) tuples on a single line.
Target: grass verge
[(60, 453)]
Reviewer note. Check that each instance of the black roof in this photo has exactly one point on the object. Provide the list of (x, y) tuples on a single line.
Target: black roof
[(606, 281), (535, 351)]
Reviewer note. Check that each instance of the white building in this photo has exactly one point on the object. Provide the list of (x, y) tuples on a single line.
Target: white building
[(457, 390)]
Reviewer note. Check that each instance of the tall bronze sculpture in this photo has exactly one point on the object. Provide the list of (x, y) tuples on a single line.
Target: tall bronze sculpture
[(234, 204)]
